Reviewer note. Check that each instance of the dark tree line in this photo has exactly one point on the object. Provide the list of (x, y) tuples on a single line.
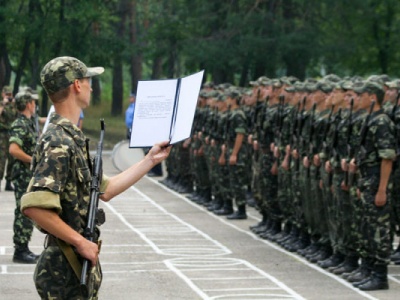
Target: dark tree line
[(233, 40)]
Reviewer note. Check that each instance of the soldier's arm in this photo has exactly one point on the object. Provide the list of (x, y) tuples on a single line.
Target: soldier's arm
[(16, 152), (51, 222), (386, 169)]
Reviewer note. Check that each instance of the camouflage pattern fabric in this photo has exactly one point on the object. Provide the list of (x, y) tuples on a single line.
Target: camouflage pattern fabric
[(237, 173), (61, 72), (60, 166), (23, 134), (379, 145), (8, 116)]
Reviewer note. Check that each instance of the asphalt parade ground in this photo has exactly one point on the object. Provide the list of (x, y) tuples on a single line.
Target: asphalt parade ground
[(157, 244)]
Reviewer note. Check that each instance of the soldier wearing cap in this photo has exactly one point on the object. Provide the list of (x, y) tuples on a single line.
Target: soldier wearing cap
[(58, 194), (8, 114), (234, 156), (373, 162), (23, 137)]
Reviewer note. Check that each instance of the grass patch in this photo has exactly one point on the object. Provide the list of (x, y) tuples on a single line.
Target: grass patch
[(115, 130)]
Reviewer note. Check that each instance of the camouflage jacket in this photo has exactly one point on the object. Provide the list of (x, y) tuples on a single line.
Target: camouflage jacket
[(379, 141), (8, 115), (237, 124), (23, 133), (61, 175)]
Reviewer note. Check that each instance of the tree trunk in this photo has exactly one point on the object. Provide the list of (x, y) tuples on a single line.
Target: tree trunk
[(136, 59), (96, 94), (156, 71)]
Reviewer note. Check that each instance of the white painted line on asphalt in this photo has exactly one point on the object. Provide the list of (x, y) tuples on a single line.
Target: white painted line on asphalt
[(276, 247), (391, 277), (2, 250), (3, 269)]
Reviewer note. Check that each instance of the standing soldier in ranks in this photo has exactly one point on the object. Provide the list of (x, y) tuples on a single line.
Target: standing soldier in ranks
[(282, 154), (373, 162), (335, 101), (23, 137), (218, 172), (8, 114), (235, 155), (346, 258), (392, 96), (316, 212), (259, 94), (296, 127), (195, 142)]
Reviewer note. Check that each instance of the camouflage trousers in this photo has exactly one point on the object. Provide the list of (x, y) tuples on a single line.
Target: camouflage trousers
[(6, 160), (269, 187), (255, 177), (23, 226), (284, 193), (298, 218), (376, 226), (238, 180), (395, 199), (55, 279), (318, 225)]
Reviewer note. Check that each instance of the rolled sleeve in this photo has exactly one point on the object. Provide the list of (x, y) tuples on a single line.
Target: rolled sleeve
[(41, 199)]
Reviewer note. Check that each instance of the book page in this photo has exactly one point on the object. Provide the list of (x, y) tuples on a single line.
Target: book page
[(187, 102), (153, 112)]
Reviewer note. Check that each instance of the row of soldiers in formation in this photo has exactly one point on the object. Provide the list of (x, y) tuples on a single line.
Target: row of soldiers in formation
[(19, 131), (318, 159)]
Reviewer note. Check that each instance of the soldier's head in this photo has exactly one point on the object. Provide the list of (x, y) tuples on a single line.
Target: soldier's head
[(62, 73), (391, 91), (6, 92), (25, 101), (233, 96), (368, 91)]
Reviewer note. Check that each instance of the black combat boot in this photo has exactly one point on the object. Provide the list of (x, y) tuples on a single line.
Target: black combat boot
[(350, 264), (226, 210), (333, 261), (360, 274), (23, 255), (263, 222), (395, 257), (240, 214), (285, 232), (378, 279), (275, 228), (9, 187)]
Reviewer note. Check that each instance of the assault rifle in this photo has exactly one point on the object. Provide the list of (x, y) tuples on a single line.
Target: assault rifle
[(297, 139), (325, 133), (348, 137), (311, 146), (332, 148), (363, 135), (95, 216)]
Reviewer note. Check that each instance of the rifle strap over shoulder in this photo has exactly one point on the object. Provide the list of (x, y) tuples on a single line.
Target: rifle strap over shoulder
[(71, 257)]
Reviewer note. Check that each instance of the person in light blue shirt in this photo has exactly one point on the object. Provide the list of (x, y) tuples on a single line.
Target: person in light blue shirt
[(129, 114)]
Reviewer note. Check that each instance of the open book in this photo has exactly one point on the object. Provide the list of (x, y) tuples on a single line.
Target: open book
[(164, 110)]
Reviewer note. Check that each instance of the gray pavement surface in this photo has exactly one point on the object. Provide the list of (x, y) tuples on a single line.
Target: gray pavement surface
[(159, 245)]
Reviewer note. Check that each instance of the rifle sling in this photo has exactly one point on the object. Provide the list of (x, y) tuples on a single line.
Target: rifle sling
[(71, 257)]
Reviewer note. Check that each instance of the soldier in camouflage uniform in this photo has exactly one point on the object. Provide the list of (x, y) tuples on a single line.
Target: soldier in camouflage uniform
[(7, 116), (22, 141), (374, 159), (235, 154), (58, 194)]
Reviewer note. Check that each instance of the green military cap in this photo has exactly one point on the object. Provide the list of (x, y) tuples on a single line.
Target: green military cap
[(212, 94), (395, 84), (203, 94), (208, 84), (34, 93), (368, 87), (290, 89), (299, 86), (21, 99), (310, 87), (61, 72), (233, 93), (310, 80), (288, 80), (344, 85), (276, 83), (7, 89), (356, 78), (221, 97), (375, 78), (325, 86), (384, 78), (332, 78)]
